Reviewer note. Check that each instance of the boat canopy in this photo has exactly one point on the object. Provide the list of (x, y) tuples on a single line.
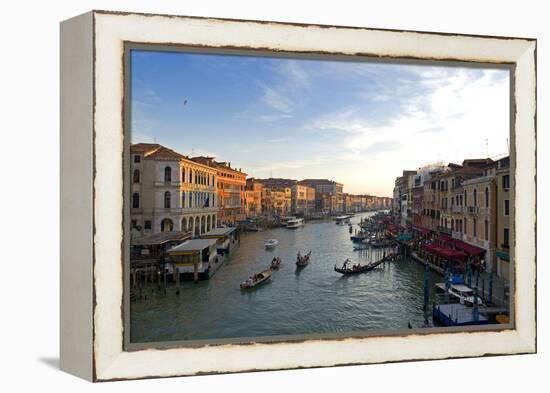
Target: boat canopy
[(190, 246), (404, 237), (219, 232)]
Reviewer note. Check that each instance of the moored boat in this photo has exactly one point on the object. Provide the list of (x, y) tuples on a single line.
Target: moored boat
[(463, 293), (295, 223), (271, 243), (257, 279), (302, 260)]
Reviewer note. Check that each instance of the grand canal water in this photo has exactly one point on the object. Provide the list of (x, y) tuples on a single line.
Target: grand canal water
[(313, 300)]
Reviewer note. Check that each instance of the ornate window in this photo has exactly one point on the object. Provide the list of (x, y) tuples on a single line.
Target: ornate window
[(167, 198), (136, 176), (167, 174)]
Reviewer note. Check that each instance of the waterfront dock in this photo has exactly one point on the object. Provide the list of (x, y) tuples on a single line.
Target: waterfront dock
[(456, 314)]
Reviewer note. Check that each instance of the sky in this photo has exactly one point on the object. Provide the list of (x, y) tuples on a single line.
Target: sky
[(358, 123)]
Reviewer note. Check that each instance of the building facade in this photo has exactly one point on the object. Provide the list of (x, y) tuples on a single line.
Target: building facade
[(328, 195), (170, 192), (504, 211), (302, 199), (253, 198), (231, 185)]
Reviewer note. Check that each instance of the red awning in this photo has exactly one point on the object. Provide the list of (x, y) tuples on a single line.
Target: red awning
[(423, 231), (467, 248), (444, 252), (444, 238)]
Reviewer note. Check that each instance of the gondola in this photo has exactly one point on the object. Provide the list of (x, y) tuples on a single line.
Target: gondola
[(358, 269), (257, 279), (303, 260), (276, 263)]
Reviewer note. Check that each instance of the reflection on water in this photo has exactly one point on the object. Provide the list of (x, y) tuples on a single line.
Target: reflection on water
[(314, 299)]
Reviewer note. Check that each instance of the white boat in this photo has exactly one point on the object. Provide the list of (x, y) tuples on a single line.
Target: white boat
[(271, 243), (295, 223), (285, 220), (341, 220), (463, 293)]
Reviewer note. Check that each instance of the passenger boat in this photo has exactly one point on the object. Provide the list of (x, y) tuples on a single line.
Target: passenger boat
[(463, 293), (295, 223), (341, 220), (356, 269), (285, 220), (276, 263), (271, 243), (303, 260), (257, 279)]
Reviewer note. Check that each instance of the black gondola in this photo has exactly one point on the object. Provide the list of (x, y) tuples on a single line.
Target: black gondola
[(303, 260)]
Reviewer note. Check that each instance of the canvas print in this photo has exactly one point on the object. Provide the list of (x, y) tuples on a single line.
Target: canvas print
[(277, 197)]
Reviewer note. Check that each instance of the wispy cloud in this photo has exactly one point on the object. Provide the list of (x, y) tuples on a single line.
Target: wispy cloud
[(276, 100), (456, 103)]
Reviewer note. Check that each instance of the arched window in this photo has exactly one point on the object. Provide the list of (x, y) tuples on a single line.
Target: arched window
[(166, 225), (183, 175), (190, 176), (190, 199), (486, 196), (465, 198), (465, 226), (452, 224), (183, 200), (135, 200), (136, 176), (486, 230), (167, 198), (475, 196), (167, 174)]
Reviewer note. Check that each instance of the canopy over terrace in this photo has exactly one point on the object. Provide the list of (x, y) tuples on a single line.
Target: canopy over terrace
[(440, 258), (467, 248)]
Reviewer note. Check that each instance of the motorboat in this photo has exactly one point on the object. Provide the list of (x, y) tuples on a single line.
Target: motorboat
[(295, 223), (463, 293), (271, 243)]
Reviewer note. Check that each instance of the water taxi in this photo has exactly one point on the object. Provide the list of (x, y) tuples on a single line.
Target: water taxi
[(257, 279), (463, 293), (285, 220), (295, 223), (271, 243), (341, 220)]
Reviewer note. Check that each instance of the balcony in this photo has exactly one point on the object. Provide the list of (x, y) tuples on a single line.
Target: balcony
[(458, 209), (445, 230), (167, 184), (473, 210)]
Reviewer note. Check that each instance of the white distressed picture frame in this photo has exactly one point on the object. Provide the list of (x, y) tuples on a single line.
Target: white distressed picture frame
[(92, 152)]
